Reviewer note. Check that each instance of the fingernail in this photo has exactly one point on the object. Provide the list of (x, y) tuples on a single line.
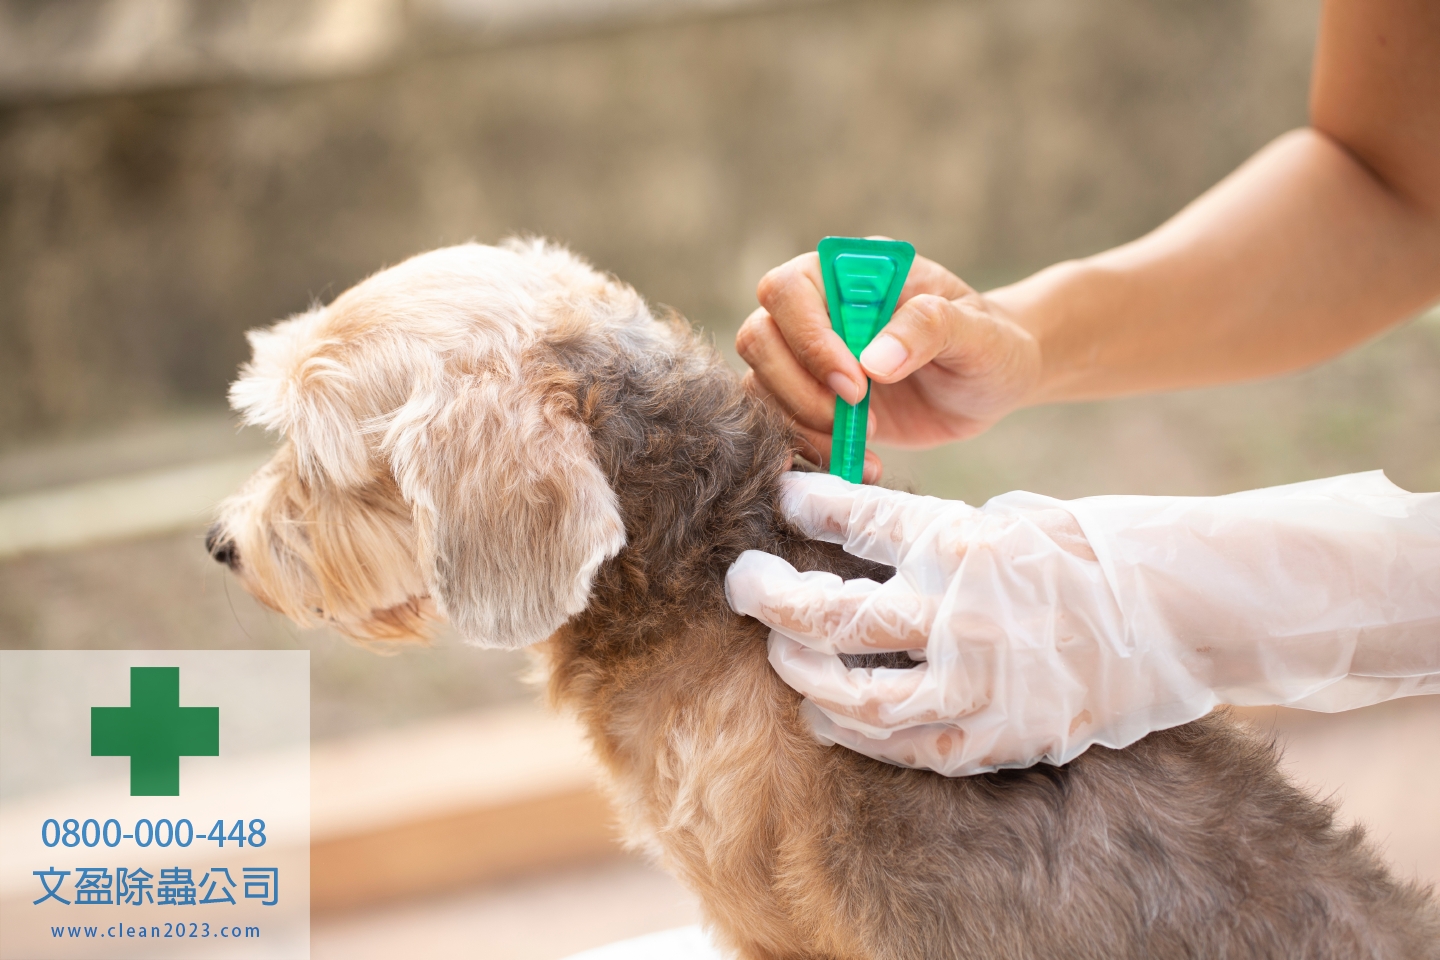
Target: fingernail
[(870, 425), (884, 355), (870, 473), (847, 389)]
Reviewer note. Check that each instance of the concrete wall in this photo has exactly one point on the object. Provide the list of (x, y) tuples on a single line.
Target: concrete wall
[(141, 234)]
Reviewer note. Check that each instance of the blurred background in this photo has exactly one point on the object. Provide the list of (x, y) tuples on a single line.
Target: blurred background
[(175, 172)]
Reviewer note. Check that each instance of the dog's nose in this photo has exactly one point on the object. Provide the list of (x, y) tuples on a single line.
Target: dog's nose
[(221, 547)]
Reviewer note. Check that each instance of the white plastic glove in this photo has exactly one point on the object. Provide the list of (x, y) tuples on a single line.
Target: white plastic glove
[(1048, 626)]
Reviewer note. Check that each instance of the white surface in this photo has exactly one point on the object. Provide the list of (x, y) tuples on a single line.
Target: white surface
[(686, 943), (540, 918)]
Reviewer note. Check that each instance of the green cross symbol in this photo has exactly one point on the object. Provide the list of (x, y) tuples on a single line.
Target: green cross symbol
[(154, 731)]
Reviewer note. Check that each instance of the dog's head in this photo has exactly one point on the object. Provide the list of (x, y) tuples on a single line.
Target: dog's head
[(434, 461)]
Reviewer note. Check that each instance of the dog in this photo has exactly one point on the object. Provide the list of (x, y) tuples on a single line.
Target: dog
[(506, 438)]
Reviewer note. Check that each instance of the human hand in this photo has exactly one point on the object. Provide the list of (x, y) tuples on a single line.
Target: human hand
[(1007, 603), (1050, 626), (949, 363)]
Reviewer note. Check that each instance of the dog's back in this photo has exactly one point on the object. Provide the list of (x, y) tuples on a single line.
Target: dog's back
[(1188, 844)]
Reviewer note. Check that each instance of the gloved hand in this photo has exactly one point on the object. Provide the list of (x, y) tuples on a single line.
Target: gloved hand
[(1048, 626)]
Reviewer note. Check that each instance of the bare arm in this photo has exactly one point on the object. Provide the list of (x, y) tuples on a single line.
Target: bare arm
[(1325, 238), (1328, 236)]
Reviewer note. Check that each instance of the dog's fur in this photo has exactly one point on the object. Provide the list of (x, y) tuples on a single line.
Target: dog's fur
[(506, 438)]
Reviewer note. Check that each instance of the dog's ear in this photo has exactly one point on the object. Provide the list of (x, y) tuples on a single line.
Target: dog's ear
[(294, 384), (513, 513)]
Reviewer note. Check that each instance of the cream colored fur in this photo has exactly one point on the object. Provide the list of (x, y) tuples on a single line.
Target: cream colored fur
[(425, 379)]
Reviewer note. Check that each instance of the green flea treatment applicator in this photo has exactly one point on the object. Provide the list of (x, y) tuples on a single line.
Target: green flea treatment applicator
[(862, 284)]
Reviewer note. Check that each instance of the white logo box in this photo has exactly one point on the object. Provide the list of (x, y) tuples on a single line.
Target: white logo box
[(62, 809)]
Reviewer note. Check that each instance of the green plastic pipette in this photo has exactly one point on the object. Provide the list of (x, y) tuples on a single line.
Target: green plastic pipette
[(862, 284)]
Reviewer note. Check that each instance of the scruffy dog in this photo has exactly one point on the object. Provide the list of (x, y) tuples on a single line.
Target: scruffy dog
[(506, 438)]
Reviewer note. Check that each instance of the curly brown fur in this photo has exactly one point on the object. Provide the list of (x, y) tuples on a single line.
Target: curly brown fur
[(1190, 843)]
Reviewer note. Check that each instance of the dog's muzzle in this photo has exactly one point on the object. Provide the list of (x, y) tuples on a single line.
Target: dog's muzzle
[(221, 547)]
